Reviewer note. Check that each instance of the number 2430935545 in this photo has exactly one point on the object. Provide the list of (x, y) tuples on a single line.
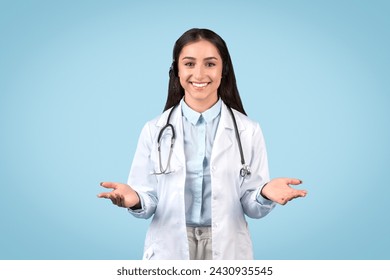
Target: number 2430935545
[(243, 270)]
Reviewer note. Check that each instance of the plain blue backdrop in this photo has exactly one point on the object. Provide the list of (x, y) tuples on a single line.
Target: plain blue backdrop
[(78, 80)]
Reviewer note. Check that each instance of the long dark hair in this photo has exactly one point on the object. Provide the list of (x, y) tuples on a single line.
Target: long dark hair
[(227, 90)]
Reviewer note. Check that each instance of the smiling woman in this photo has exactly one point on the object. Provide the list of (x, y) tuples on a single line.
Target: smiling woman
[(215, 48), (200, 74), (189, 177)]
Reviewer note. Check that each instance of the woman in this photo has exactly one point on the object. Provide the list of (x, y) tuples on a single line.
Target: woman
[(200, 187)]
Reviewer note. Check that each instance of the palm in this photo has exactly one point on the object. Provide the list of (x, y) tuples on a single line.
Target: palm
[(280, 191), (122, 195)]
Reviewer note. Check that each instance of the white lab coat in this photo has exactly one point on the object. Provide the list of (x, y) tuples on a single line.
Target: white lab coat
[(232, 196)]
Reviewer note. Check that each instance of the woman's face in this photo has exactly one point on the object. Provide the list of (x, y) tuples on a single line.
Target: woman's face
[(200, 74)]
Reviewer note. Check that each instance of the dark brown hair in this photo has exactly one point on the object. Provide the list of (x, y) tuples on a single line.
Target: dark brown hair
[(227, 90)]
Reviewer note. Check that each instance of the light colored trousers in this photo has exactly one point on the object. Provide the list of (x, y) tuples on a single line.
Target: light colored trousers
[(199, 242)]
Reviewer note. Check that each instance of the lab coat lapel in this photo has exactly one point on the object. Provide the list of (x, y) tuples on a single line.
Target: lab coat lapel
[(225, 136), (178, 156), (178, 151), (176, 121)]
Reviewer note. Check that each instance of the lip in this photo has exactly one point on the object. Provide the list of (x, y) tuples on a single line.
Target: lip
[(199, 85)]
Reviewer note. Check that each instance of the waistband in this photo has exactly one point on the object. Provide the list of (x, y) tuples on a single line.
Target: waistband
[(199, 233)]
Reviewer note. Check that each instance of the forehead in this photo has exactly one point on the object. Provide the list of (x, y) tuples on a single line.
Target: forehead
[(199, 49)]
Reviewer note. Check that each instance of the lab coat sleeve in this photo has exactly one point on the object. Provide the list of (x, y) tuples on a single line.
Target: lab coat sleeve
[(254, 205), (140, 177)]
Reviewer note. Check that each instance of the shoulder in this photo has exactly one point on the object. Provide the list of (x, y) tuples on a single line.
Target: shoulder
[(160, 119), (244, 118), (243, 121)]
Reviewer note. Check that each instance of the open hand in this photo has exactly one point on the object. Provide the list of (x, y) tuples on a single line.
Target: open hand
[(121, 195), (279, 190)]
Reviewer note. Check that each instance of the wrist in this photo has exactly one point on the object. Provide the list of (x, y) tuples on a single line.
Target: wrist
[(138, 205), (261, 192)]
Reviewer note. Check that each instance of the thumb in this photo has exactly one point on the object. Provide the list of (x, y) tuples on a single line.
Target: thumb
[(293, 181)]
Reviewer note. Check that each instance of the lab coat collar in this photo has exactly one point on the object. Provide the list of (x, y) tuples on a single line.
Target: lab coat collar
[(226, 119)]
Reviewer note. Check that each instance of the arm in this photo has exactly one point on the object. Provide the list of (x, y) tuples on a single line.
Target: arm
[(139, 195), (267, 192), (140, 176), (253, 204)]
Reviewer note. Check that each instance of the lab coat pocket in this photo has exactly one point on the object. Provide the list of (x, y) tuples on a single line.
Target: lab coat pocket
[(149, 253)]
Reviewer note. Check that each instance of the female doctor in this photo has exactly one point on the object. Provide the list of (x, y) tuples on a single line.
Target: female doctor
[(201, 166)]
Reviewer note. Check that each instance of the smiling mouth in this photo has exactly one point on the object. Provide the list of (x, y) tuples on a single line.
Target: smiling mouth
[(199, 85)]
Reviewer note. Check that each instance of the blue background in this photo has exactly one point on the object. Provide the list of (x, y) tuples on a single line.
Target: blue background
[(78, 79)]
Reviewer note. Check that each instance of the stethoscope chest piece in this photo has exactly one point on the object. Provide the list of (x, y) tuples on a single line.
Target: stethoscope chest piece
[(245, 171)]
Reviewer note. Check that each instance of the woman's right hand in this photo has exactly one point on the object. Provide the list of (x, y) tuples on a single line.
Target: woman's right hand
[(121, 195)]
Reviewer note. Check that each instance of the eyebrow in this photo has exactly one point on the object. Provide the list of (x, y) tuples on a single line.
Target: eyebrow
[(207, 58)]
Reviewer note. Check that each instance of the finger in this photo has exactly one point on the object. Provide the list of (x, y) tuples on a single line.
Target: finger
[(303, 193), (104, 195), (109, 185), (299, 193)]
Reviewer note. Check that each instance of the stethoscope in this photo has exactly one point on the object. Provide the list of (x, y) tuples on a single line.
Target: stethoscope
[(244, 171)]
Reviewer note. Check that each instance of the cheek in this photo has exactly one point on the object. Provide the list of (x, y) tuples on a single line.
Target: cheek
[(217, 75), (217, 83), (182, 74), (217, 78), (182, 78)]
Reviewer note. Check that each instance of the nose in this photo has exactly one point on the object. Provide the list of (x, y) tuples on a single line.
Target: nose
[(199, 72)]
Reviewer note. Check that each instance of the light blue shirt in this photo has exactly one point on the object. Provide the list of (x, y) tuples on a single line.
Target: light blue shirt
[(199, 133)]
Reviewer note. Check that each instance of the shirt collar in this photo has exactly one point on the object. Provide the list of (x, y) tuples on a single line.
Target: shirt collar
[(208, 115)]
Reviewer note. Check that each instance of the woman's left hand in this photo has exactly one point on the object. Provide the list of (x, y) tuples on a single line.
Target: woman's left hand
[(279, 190)]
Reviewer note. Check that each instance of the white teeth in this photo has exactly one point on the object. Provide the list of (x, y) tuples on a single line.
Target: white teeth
[(199, 85)]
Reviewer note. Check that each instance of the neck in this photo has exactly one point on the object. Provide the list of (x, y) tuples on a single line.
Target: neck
[(201, 105)]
